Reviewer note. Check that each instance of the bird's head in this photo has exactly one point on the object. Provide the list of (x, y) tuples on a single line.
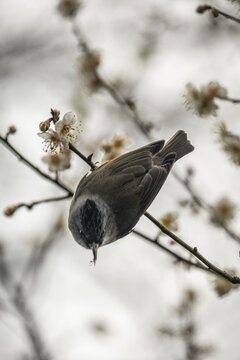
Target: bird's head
[(88, 222)]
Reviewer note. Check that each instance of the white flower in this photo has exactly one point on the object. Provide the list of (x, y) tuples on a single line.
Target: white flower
[(201, 102), (67, 129), (58, 162), (51, 140)]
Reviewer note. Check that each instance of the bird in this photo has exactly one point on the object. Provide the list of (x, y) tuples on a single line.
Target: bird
[(109, 200)]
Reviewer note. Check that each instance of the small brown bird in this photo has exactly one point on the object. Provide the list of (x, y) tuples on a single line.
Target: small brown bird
[(110, 200)]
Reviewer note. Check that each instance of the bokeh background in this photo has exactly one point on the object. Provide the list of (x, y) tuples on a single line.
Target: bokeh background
[(131, 305)]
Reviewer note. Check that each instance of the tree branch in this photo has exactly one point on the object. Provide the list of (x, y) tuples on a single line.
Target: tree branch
[(127, 104), (226, 98), (178, 258), (11, 210), (6, 143), (216, 12), (87, 160), (194, 251)]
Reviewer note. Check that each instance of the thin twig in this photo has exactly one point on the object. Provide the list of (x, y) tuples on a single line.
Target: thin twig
[(226, 98), (128, 105), (6, 143), (194, 251), (178, 258), (215, 12), (30, 205), (87, 160)]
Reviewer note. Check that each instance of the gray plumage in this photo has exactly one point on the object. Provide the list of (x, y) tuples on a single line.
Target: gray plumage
[(123, 189)]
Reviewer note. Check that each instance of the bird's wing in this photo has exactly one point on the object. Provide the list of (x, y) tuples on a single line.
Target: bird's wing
[(116, 173), (142, 156), (152, 182)]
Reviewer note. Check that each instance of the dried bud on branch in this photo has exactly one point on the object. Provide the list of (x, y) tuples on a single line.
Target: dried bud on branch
[(202, 8), (11, 210), (12, 129), (69, 8)]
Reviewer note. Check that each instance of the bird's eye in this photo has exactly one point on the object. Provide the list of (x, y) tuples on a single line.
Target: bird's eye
[(81, 233)]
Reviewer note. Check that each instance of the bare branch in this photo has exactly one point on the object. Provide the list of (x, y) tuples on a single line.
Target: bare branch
[(6, 143), (11, 209), (216, 12), (178, 258), (194, 251), (87, 160), (226, 98)]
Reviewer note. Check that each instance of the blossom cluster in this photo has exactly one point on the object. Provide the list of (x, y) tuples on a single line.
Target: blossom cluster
[(202, 101), (57, 140)]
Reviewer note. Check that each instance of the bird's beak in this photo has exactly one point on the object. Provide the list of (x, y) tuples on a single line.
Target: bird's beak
[(94, 250)]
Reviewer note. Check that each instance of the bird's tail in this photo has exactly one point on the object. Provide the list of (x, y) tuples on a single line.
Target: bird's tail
[(178, 144)]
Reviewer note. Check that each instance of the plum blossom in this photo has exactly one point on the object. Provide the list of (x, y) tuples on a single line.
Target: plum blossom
[(67, 129), (202, 102), (58, 162), (51, 140)]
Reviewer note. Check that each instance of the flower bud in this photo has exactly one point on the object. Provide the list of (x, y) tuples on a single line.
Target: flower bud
[(45, 125), (10, 210), (12, 129), (202, 8)]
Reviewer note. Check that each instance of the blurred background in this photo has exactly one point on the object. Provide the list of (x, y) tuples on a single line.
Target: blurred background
[(137, 303)]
